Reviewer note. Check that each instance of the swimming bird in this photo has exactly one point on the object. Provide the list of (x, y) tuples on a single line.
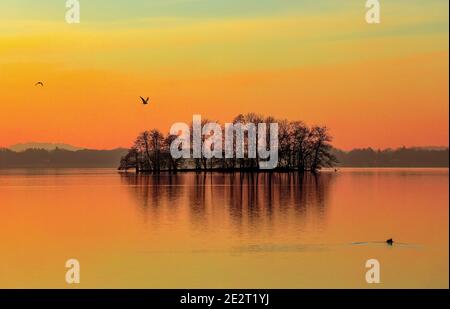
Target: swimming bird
[(390, 241), (39, 84), (145, 101)]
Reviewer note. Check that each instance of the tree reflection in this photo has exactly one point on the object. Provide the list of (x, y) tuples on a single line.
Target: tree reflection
[(245, 201)]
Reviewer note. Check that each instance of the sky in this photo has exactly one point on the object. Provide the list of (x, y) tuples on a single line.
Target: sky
[(374, 85)]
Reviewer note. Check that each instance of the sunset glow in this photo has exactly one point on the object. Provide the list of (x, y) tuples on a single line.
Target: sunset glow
[(380, 85)]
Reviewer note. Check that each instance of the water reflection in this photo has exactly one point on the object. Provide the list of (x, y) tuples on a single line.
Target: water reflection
[(247, 201), (215, 230)]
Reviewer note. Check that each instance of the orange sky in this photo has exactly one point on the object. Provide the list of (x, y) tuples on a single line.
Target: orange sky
[(380, 85)]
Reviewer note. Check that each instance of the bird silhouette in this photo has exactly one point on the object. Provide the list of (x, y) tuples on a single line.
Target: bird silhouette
[(390, 241), (145, 101), (39, 84)]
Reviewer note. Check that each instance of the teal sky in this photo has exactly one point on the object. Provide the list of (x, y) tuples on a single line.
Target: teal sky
[(119, 9)]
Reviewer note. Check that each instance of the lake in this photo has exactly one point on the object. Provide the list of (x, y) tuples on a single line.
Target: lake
[(280, 230)]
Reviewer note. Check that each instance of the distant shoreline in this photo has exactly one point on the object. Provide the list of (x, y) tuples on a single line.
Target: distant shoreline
[(357, 158)]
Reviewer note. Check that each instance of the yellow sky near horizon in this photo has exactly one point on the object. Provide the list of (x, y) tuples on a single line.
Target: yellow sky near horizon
[(373, 85)]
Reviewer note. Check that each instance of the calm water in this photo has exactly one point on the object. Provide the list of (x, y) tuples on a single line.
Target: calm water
[(223, 231)]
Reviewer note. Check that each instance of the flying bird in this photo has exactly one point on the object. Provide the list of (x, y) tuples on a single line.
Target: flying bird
[(39, 84), (390, 241), (145, 101)]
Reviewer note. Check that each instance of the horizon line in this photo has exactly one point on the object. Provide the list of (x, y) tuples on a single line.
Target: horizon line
[(77, 148)]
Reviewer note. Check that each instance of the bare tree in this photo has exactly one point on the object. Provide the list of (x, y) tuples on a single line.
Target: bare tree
[(172, 163), (299, 140), (130, 160), (142, 147), (201, 162), (300, 148), (285, 144), (320, 148), (156, 139)]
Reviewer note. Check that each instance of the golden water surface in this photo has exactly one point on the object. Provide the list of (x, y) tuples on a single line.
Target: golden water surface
[(224, 230)]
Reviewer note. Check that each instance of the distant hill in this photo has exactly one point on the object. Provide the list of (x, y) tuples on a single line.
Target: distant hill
[(430, 148), (401, 157), (60, 158), (46, 146)]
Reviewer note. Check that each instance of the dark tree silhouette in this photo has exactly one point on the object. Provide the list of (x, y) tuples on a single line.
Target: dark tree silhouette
[(174, 164), (300, 148), (320, 148)]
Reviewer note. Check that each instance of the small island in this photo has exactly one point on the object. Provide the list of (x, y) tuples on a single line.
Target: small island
[(300, 148)]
